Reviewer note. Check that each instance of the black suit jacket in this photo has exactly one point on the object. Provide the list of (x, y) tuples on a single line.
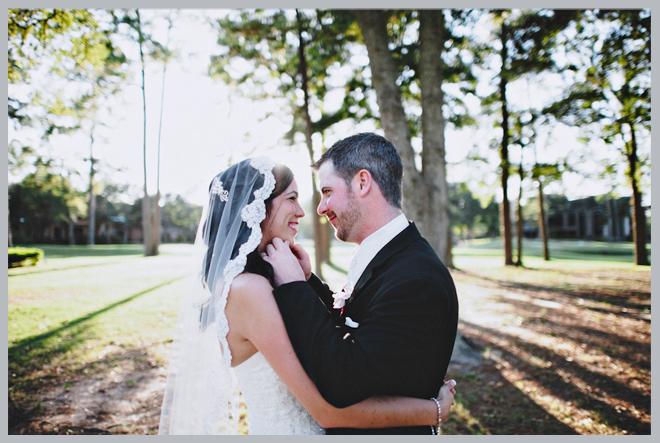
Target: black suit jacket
[(406, 306)]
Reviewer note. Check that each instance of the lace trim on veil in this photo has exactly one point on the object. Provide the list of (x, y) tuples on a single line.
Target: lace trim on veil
[(253, 214)]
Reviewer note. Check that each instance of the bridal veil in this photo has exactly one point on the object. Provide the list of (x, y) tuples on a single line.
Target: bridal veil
[(201, 393)]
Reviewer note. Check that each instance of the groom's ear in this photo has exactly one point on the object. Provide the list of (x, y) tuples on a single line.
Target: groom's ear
[(362, 182)]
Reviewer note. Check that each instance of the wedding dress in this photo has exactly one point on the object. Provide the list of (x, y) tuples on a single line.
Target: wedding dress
[(272, 409)]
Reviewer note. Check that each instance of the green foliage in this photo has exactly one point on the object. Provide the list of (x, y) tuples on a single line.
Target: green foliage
[(66, 42), (468, 217), (19, 256), (179, 213), (44, 198), (458, 62), (269, 40), (613, 74)]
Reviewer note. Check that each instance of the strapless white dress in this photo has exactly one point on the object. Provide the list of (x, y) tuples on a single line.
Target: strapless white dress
[(271, 407)]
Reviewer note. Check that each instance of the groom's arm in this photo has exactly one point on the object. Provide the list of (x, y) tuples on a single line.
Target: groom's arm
[(394, 351), (323, 291)]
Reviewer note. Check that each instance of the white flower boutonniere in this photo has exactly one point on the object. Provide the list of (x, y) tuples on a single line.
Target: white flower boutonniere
[(343, 295), (351, 324)]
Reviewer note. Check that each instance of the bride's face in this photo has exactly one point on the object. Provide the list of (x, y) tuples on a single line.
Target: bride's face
[(282, 221)]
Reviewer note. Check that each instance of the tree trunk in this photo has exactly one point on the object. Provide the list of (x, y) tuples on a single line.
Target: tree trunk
[(542, 225), (10, 240), (373, 24), (639, 218), (519, 218), (393, 120), (435, 227), (505, 211), (91, 219), (316, 198), (155, 233), (148, 217), (71, 225)]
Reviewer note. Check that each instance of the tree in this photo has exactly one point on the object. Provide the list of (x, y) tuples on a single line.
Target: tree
[(295, 52), (150, 204), (181, 215), (436, 223), (398, 68), (100, 82), (384, 76), (42, 200), (69, 48), (611, 93), (525, 42), (35, 40)]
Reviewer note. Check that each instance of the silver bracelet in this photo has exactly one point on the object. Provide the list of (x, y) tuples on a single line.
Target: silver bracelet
[(435, 430)]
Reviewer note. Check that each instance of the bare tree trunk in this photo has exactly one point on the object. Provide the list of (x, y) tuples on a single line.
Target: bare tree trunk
[(435, 226), (505, 211), (148, 217), (155, 231), (10, 240), (91, 231), (520, 219), (373, 24), (542, 225), (316, 198), (638, 216)]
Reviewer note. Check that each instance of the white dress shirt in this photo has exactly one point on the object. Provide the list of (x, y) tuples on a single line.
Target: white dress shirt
[(371, 245)]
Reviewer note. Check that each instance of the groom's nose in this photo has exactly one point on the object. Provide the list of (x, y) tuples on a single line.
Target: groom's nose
[(323, 207)]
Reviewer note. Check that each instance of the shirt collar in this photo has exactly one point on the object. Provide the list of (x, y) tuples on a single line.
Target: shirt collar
[(371, 245)]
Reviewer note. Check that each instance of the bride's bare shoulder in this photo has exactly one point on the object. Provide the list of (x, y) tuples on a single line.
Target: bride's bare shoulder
[(248, 283)]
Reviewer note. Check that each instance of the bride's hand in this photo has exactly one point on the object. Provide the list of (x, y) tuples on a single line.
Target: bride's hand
[(446, 398), (286, 265)]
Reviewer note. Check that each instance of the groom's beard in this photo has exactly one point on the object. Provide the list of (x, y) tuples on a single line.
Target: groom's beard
[(349, 218)]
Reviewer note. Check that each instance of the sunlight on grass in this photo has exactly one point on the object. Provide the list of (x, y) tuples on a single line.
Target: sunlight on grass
[(102, 313), (460, 415)]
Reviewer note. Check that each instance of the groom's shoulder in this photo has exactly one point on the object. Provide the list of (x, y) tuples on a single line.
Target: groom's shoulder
[(419, 255)]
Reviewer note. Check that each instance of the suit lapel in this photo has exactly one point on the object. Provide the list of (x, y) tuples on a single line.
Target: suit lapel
[(403, 239)]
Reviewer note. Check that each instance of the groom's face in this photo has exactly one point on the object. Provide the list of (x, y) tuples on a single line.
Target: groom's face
[(338, 203)]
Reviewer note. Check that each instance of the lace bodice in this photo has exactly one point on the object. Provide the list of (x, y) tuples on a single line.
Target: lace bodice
[(272, 408)]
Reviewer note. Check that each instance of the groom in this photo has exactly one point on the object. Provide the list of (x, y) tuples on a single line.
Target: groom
[(391, 330)]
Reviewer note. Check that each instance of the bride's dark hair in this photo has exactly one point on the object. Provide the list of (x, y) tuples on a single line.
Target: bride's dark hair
[(255, 264)]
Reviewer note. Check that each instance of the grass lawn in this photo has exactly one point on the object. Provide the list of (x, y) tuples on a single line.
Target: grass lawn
[(565, 343)]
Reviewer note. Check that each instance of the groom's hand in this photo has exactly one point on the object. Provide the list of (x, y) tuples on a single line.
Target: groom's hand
[(303, 259), (285, 265)]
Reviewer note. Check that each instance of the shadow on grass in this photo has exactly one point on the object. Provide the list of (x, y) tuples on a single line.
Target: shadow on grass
[(31, 352), (589, 390), (624, 300), (488, 404), (87, 400)]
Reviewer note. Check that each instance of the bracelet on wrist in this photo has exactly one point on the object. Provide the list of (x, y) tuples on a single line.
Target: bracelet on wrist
[(435, 430)]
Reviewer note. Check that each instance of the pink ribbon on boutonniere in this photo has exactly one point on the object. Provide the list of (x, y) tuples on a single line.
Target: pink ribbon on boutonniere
[(341, 297)]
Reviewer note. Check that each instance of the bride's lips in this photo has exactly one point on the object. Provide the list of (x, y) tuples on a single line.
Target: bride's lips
[(294, 226)]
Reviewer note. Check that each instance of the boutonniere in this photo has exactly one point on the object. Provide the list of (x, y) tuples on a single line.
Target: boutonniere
[(351, 324), (341, 297)]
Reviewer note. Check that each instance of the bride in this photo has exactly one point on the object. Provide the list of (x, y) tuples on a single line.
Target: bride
[(230, 331)]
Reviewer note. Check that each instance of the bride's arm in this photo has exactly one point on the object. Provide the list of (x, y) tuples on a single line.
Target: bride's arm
[(253, 314)]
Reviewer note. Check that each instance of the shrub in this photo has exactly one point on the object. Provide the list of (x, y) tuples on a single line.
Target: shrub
[(24, 256)]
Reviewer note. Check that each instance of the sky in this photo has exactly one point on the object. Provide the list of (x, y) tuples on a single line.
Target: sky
[(206, 124)]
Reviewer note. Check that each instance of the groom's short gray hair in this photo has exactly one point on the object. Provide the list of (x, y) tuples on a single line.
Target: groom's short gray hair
[(372, 152)]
